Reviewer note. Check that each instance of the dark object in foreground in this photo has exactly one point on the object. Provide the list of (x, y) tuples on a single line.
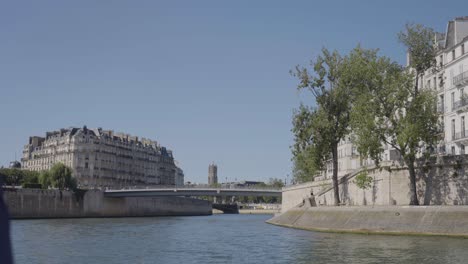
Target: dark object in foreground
[(5, 246)]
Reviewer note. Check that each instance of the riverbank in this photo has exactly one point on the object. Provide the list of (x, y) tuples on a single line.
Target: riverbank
[(37, 203), (389, 220), (251, 211), (258, 211)]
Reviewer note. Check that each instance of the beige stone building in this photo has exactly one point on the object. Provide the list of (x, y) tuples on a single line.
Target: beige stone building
[(101, 158)]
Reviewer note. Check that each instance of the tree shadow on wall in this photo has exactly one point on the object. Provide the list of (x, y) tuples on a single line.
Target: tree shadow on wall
[(435, 176), (345, 192), (461, 185), (375, 189)]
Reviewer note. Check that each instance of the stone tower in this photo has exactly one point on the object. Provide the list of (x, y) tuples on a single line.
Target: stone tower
[(212, 174)]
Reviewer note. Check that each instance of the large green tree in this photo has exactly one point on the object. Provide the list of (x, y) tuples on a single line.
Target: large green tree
[(319, 128), (389, 109), (61, 177)]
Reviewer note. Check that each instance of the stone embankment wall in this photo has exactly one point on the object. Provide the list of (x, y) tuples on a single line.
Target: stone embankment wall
[(441, 181), (35, 203), (403, 220)]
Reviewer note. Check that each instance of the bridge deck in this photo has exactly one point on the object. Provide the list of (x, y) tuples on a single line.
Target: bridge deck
[(191, 192)]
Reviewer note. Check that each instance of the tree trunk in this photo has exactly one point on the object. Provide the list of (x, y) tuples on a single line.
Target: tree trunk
[(413, 193), (335, 174)]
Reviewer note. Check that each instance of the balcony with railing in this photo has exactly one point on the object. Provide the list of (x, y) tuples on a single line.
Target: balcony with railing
[(461, 105), (441, 108), (461, 137), (461, 79)]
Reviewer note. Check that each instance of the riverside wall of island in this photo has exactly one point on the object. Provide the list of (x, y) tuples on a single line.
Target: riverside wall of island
[(441, 181), (393, 220), (37, 203), (442, 186)]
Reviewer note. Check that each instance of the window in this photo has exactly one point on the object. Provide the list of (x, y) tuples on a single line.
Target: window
[(453, 150), (463, 126), (453, 54), (435, 82), (463, 49), (441, 60), (462, 149), (442, 106), (453, 100), (86, 165), (453, 129)]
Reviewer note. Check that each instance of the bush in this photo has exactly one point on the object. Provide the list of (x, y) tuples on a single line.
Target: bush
[(32, 185), (363, 180)]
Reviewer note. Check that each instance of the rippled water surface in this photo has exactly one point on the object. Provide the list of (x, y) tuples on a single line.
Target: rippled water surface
[(215, 239)]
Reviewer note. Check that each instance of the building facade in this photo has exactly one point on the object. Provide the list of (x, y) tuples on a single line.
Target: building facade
[(101, 158), (450, 81), (212, 174)]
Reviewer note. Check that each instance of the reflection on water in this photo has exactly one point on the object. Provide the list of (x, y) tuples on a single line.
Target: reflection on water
[(215, 239)]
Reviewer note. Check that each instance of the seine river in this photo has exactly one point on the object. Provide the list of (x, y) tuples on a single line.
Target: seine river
[(215, 239)]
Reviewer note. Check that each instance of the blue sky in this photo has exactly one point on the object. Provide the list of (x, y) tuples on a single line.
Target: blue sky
[(208, 79)]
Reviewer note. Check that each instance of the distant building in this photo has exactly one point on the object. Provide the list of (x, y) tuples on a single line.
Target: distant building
[(179, 177), (15, 165), (212, 174), (102, 158)]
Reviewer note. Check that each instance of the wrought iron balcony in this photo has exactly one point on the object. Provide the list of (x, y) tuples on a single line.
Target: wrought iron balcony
[(441, 108), (461, 137), (461, 105), (461, 79)]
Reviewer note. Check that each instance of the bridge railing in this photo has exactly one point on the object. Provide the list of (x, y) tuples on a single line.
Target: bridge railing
[(199, 186)]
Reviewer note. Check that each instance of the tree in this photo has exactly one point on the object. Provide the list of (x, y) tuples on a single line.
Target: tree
[(276, 183), (61, 177), (15, 176), (12, 176), (44, 179), (419, 41), (389, 109), (30, 178), (318, 130)]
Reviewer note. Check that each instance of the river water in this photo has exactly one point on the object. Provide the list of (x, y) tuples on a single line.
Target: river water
[(215, 239)]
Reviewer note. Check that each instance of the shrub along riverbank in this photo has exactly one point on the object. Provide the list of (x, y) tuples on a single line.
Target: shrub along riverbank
[(59, 176)]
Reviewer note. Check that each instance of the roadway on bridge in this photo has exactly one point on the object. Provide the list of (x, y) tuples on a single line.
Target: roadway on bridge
[(191, 192)]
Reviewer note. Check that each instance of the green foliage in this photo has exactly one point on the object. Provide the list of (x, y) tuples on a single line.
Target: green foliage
[(389, 108), (44, 179), (60, 176), (32, 185), (309, 151), (31, 178), (276, 183), (363, 180), (419, 40), (17, 177), (317, 131)]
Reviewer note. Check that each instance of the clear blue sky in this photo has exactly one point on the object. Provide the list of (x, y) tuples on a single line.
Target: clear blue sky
[(208, 79)]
